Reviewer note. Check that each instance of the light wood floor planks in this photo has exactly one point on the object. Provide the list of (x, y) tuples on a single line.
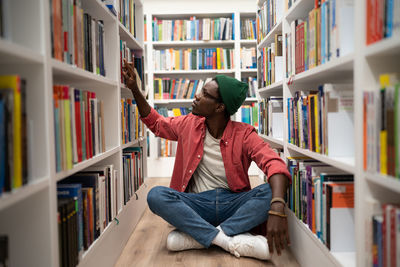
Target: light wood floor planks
[(147, 247)]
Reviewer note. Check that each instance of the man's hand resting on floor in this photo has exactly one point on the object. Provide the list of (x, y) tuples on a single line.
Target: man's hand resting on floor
[(277, 230)]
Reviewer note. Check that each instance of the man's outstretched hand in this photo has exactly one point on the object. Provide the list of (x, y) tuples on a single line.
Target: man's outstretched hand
[(277, 232), (129, 74)]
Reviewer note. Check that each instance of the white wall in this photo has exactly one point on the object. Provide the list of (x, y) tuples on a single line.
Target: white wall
[(198, 6)]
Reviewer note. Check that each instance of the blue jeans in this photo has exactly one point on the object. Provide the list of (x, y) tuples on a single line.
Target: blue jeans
[(199, 214)]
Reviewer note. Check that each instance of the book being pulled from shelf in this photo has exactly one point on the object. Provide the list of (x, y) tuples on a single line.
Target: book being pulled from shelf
[(271, 63), (87, 202), (248, 58), (132, 126), (167, 148), (323, 198), (269, 14), (79, 126), (271, 117), (13, 133), (194, 59), (76, 37), (381, 127), (323, 120), (383, 20), (135, 57), (205, 29), (320, 37), (248, 29)]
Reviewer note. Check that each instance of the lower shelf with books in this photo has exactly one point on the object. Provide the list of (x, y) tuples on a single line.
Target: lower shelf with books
[(309, 250), (106, 249)]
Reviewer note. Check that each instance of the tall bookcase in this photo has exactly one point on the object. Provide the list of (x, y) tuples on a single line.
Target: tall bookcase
[(165, 164), (361, 68), (29, 213)]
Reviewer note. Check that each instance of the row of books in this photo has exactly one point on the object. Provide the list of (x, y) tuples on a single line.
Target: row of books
[(249, 114), (78, 124), (248, 58), (167, 148), (383, 20), (87, 202), (132, 127), (323, 198), (320, 37), (269, 14), (167, 88), (248, 29), (385, 232), (77, 37), (127, 15), (205, 29), (271, 63), (13, 133), (314, 118), (133, 171), (271, 117), (252, 82), (194, 59), (381, 127), (131, 56)]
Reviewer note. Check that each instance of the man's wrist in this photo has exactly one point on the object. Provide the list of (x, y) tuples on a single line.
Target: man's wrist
[(278, 206)]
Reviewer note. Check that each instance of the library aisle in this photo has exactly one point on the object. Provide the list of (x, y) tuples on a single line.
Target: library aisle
[(147, 246)]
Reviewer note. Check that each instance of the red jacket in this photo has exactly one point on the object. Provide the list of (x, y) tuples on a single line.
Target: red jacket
[(240, 144)]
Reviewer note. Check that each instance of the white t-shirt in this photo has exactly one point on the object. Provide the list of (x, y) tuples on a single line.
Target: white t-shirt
[(210, 173)]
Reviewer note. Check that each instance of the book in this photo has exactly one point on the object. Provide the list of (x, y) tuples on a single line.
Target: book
[(4, 260)]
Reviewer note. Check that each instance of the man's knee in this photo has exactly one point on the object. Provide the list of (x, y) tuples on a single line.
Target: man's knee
[(154, 197)]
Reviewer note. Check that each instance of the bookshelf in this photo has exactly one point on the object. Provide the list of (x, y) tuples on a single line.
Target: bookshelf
[(361, 68), (166, 163), (29, 213)]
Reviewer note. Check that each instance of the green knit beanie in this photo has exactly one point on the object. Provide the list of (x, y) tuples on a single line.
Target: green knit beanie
[(232, 91)]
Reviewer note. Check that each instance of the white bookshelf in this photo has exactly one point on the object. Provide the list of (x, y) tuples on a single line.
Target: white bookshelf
[(166, 163), (362, 69), (29, 213)]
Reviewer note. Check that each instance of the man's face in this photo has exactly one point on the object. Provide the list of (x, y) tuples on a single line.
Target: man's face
[(207, 101)]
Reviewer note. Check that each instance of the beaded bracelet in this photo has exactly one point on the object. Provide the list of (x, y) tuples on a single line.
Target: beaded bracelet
[(277, 213)]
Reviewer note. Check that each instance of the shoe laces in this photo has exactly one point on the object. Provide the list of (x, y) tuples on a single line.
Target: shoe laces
[(235, 245)]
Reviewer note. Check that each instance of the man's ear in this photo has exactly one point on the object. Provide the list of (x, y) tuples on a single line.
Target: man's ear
[(221, 107)]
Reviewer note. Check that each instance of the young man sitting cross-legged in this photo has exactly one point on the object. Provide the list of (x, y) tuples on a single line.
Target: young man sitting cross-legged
[(210, 200)]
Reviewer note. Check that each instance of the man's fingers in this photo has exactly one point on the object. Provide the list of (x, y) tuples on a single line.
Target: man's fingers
[(129, 68), (270, 243), (277, 242), (287, 238)]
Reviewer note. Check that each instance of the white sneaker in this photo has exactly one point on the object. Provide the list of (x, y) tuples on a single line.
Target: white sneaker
[(248, 245), (178, 241)]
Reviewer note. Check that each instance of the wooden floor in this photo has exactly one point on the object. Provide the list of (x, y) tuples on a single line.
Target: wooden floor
[(147, 247)]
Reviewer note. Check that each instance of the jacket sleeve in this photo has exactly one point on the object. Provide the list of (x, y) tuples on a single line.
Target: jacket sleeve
[(163, 127), (265, 158)]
